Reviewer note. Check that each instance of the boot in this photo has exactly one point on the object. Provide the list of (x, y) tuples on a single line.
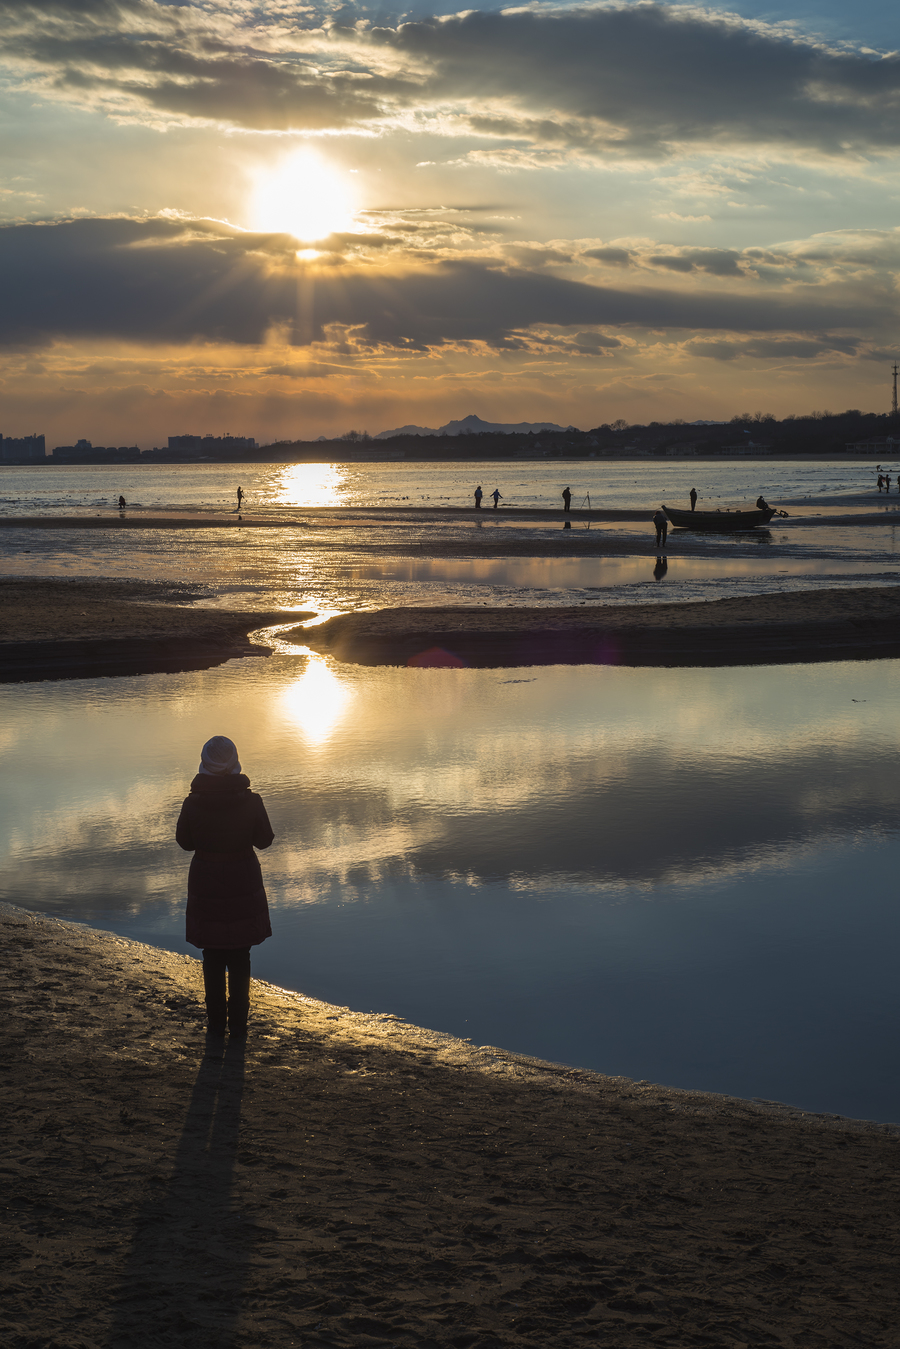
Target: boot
[(238, 1003), (216, 1011)]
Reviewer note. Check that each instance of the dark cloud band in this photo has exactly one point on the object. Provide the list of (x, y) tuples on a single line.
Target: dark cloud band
[(641, 80), (168, 281)]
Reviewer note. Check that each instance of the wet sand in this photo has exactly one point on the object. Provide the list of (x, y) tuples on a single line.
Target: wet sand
[(278, 518), (75, 628), (347, 1179), (63, 629), (849, 624)]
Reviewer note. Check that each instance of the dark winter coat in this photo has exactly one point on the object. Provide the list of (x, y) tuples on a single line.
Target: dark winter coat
[(221, 822)]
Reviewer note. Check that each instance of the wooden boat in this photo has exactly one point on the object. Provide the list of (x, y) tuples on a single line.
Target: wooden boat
[(726, 522)]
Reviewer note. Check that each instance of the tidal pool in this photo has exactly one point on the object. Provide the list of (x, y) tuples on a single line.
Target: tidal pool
[(683, 876), (577, 573)]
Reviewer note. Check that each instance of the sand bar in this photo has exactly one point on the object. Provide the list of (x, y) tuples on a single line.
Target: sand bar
[(57, 629), (351, 1180), (859, 623), (76, 628), (283, 517)]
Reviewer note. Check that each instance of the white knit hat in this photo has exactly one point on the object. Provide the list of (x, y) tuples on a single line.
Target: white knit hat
[(219, 757)]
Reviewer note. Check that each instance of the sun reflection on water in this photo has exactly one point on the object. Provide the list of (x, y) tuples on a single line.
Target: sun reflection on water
[(317, 701), (308, 485)]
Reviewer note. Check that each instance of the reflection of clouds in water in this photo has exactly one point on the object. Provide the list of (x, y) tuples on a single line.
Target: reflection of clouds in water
[(317, 701), (610, 775)]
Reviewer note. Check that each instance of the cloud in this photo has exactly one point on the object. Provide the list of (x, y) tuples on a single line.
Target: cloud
[(614, 257), (718, 261), (627, 80), (187, 61), (178, 281), (715, 351), (643, 79), (785, 348)]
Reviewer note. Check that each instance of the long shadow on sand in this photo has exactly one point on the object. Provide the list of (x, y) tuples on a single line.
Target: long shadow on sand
[(191, 1241)]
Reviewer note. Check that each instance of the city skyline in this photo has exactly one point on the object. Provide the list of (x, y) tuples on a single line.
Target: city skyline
[(305, 219)]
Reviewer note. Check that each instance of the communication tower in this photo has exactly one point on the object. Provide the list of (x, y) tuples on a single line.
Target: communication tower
[(894, 399)]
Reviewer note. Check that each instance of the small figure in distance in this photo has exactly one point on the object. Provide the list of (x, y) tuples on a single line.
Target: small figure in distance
[(693, 498), (762, 504), (240, 497), (887, 483), (496, 496), (221, 823), (662, 528), (478, 495), (662, 566), (567, 499), (121, 503), (880, 481)]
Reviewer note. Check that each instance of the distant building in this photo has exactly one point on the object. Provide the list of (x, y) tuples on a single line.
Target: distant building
[(210, 444), (83, 452), (880, 447), (22, 449), (750, 448)]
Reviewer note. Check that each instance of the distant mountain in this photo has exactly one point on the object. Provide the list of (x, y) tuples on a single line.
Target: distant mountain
[(471, 425)]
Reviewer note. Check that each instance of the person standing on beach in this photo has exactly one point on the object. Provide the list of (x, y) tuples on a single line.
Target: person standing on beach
[(693, 498), (880, 481), (887, 483), (221, 822), (240, 497), (662, 528), (567, 499), (478, 495), (496, 496)]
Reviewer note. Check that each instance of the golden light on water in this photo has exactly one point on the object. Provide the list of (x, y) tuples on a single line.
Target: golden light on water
[(308, 485), (305, 196), (317, 701)]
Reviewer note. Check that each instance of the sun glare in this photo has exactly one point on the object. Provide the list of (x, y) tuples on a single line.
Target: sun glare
[(309, 485), (317, 701), (305, 196)]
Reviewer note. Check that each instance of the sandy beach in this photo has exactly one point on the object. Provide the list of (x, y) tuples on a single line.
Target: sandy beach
[(76, 628), (347, 1179), (63, 629), (859, 623)]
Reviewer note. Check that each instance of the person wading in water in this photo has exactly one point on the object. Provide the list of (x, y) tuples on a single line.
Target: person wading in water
[(221, 822)]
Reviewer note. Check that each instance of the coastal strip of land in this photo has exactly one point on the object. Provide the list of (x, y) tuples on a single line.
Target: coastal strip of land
[(347, 1179), (804, 513), (58, 629), (857, 623)]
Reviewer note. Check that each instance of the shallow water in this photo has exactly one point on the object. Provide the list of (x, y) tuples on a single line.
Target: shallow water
[(343, 567), (337, 564), (685, 876), (610, 484)]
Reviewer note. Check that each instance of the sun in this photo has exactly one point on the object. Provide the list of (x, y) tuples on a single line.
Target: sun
[(305, 196)]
